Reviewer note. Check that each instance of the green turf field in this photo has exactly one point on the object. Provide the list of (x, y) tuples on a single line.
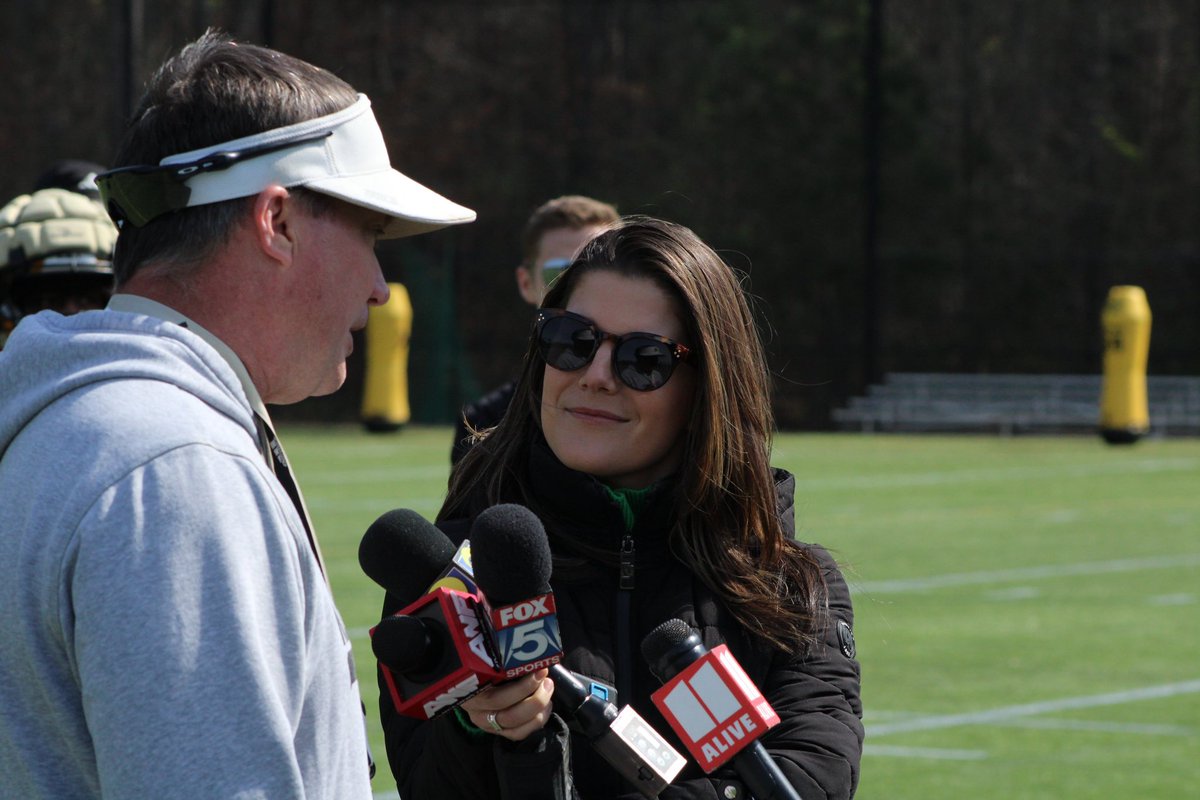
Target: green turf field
[(1028, 609)]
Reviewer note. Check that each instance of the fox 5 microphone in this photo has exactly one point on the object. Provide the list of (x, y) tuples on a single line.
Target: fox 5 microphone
[(715, 708), (436, 651), (512, 568), (512, 564)]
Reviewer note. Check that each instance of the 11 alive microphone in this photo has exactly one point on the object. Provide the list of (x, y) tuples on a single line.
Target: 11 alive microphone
[(512, 568), (715, 708), (436, 651)]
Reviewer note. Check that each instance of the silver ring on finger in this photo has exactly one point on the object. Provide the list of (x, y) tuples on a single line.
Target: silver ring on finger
[(493, 722)]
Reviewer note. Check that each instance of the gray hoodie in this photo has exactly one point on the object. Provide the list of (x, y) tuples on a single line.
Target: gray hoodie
[(165, 630)]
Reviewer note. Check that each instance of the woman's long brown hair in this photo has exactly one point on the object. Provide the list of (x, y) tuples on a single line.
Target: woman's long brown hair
[(727, 528)]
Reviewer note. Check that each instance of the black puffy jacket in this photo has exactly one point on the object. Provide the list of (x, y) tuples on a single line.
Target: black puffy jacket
[(817, 744)]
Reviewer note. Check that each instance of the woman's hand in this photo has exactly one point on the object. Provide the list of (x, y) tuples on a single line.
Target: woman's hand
[(514, 709)]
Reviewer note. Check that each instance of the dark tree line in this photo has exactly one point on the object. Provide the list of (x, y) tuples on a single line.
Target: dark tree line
[(1032, 155)]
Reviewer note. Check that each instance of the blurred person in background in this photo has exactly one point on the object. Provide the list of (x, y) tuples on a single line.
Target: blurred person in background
[(169, 631), (72, 174), (55, 248), (640, 434), (552, 235)]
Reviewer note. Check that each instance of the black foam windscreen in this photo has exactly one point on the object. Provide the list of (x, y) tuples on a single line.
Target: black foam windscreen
[(510, 554), (670, 647), (404, 553), (404, 643)]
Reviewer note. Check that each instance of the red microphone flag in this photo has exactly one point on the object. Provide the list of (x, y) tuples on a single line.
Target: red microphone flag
[(715, 708)]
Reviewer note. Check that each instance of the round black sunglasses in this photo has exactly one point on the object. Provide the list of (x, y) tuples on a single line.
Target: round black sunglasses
[(643, 361)]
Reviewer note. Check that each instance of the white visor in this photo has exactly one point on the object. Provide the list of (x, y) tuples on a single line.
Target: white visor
[(350, 163)]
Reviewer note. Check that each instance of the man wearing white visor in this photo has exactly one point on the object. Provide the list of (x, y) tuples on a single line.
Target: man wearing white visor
[(168, 628)]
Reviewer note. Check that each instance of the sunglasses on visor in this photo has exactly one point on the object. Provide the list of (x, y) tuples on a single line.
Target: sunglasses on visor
[(140, 193), (643, 361)]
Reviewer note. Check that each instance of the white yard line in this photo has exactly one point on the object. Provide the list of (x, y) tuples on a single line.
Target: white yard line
[(1026, 573), (399, 474), (932, 753), (984, 475), (1135, 728), (357, 475), (376, 505), (1007, 713)]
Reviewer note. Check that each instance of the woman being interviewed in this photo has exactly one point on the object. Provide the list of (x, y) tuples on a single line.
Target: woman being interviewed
[(642, 444)]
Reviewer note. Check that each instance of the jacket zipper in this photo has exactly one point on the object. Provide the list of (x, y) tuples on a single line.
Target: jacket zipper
[(624, 641), (627, 559)]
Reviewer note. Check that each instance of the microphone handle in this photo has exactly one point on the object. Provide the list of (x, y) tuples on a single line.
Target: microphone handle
[(762, 775), (576, 704)]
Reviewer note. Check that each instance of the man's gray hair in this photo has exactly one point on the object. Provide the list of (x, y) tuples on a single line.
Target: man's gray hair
[(215, 90)]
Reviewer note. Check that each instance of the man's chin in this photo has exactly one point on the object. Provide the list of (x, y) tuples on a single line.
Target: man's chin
[(326, 387), (332, 384)]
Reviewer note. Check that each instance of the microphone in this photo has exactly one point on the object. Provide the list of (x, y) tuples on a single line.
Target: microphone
[(714, 707), (512, 562), (635, 750), (408, 556), (403, 552), (436, 651)]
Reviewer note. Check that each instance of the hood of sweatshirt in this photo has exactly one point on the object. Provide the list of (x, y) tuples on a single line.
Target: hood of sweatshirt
[(49, 356)]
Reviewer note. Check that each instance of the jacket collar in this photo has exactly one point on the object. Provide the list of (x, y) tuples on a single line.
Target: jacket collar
[(581, 516), (584, 518)]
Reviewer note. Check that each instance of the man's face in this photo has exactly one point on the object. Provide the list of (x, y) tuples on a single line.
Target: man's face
[(555, 250), (337, 278)]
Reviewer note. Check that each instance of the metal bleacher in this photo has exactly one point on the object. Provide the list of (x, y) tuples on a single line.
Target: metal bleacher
[(1011, 403)]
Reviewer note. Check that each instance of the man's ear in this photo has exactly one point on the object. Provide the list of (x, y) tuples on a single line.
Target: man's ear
[(525, 285), (274, 218)]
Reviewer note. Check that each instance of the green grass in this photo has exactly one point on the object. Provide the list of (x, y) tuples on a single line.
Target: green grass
[(991, 574)]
